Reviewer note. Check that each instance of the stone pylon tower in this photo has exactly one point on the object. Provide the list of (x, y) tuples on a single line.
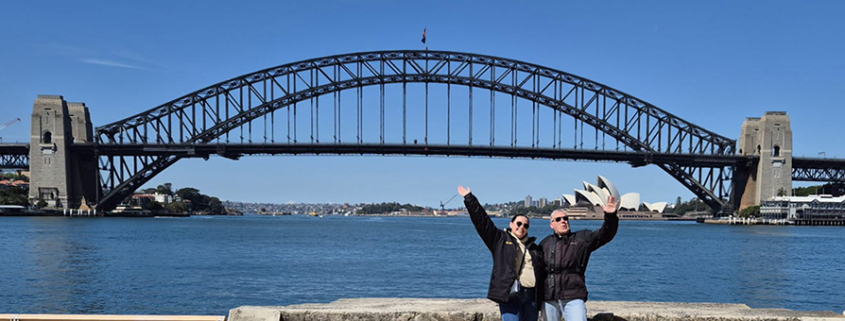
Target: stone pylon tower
[(769, 137), (58, 176)]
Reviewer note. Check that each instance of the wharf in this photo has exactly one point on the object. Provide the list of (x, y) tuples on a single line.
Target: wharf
[(760, 221), (402, 309)]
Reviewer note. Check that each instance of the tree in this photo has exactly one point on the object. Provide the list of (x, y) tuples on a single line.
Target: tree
[(215, 206), (154, 206), (14, 196), (781, 192), (693, 205), (16, 176), (189, 193), (177, 207), (752, 211), (166, 189), (388, 208), (41, 203), (148, 190)]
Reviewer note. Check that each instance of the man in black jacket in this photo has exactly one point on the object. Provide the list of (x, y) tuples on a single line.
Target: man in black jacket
[(515, 256), (566, 255)]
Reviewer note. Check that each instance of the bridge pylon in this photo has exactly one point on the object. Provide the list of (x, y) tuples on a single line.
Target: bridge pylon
[(60, 177), (770, 138)]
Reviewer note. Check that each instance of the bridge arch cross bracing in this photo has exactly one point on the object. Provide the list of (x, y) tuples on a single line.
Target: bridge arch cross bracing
[(206, 115)]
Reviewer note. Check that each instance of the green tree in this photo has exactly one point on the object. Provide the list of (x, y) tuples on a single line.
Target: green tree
[(14, 196), (215, 206), (693, 205), (14, 177), (387, 208), (154, 206), (189, 193), (177, 207), (752, 211), (148, 190), (41, 203), (166, 189)]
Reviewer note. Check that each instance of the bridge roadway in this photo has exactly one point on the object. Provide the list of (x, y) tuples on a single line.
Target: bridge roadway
[(235, 151), (804, 169)]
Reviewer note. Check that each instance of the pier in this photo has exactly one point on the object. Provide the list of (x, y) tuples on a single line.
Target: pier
[(764, 221)]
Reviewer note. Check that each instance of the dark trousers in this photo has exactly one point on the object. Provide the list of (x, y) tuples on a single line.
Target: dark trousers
[(522, 309)]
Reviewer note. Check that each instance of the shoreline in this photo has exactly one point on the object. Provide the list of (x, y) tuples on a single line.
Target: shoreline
[(59, 213)]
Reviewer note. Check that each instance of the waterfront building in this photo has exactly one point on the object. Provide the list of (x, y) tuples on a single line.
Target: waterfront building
[(658, 207), (163, 198), (812, 207), (585, 204), (528, 202), (6, 183), (140, 200)]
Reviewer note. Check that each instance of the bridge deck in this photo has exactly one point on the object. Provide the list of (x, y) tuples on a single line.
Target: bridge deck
[(237, 150)]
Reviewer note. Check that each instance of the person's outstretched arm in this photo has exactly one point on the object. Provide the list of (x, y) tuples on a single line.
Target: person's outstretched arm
[(483, 224), (611, 224)]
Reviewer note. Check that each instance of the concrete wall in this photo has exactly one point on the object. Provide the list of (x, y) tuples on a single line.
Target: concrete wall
[(409, 309)]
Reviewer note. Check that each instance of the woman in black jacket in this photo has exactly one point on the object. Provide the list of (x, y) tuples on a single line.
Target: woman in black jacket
[(515, 256)]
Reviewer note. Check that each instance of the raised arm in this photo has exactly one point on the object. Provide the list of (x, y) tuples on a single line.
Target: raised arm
[(483, 224), (611, 224)]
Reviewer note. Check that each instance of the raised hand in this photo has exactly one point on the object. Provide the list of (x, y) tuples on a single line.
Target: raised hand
[(464, 191), (611, 205)]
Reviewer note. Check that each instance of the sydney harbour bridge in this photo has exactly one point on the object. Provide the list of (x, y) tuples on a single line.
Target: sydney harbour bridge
[(409, 102)]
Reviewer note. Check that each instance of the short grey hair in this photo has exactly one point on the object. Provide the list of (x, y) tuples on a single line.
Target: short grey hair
[(560, 210)]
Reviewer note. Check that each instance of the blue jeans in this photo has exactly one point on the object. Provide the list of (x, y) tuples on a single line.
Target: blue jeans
[(522, 309), (572, 310)]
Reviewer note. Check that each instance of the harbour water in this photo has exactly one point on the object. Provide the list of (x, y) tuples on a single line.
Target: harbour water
[(208, 265)]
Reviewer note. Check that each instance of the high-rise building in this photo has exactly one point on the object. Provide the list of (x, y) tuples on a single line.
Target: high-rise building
[(543, 201), (528, 202)]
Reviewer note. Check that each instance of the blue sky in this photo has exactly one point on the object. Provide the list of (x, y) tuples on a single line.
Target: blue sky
[(713, 63)]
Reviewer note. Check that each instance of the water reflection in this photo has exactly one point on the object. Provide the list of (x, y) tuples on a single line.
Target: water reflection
[(66, 266)]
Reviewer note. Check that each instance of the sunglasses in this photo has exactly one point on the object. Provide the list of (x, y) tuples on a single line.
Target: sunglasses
[(561, 218), (520, 224)]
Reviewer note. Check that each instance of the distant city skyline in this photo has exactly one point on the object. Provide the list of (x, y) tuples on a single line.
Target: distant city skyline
[(711, 63)]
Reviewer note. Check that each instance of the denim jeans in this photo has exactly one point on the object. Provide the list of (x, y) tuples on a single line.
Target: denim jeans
[(572, 310), (523, 309)]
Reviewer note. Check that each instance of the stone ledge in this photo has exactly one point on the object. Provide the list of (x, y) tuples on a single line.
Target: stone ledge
[(411, 309)]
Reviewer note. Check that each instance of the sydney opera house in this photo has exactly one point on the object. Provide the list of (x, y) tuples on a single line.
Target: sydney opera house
[(587, 202)]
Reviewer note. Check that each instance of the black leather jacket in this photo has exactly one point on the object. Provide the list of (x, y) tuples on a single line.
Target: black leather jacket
[(566, 258), (504, 248)]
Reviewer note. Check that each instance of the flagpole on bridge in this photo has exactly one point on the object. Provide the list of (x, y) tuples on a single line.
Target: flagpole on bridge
[(423, 38)]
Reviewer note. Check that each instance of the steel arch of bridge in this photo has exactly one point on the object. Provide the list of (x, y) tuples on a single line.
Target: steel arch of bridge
[(210, 114)]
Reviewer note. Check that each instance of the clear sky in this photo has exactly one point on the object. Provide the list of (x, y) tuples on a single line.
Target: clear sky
[(713, 63)]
